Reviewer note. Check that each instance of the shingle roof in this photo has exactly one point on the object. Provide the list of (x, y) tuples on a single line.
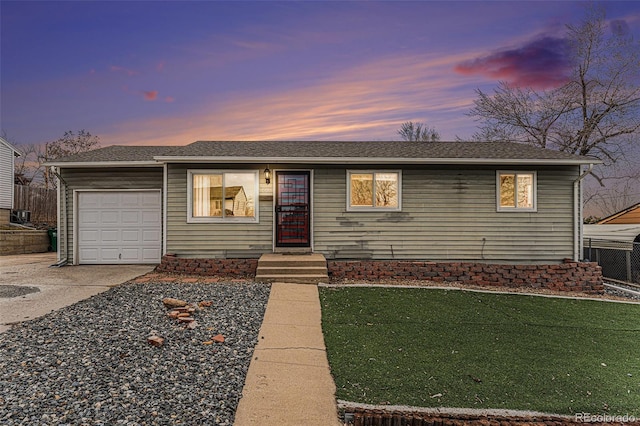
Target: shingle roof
[(332, 152), (117, 153)]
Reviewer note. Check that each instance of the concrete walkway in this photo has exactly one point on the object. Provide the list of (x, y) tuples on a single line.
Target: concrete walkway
[(56, 287), (289, 381)]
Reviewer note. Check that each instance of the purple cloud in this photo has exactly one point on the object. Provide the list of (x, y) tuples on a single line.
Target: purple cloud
[(541, 64)]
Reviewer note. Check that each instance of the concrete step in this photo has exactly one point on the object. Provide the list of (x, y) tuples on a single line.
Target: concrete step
[(298, 268), (300, 279), (285, 260), (291, 270)]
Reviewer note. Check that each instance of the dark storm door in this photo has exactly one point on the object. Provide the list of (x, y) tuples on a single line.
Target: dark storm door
[(292, 209)]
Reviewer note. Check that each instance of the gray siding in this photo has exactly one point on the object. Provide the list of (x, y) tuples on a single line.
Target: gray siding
[(448, 213), (222, 240), (6, 177), (97, 179)]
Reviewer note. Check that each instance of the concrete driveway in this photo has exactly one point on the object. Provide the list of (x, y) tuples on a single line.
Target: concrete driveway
[(29, 288)]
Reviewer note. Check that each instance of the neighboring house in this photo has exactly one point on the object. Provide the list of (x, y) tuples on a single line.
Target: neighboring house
[(630, 215), (435, 201), (7, 164), (618, 231), (614, 242)]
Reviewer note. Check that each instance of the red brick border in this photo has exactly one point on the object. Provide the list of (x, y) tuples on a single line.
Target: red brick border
[(378, 417), (239, 268), (569, 276)]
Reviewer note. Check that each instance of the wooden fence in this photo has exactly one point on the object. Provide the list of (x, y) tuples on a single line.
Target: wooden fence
[(41, 202)]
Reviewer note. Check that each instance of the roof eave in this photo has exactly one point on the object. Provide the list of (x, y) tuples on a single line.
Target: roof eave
[(84, 164), (373, 160)]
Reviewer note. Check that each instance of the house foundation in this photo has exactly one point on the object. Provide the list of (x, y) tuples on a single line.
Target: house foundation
[(569, 276)]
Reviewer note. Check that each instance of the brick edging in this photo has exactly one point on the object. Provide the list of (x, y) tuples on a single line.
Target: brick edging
[(568, 276), (379, 417), (237, 268), (565, 277)]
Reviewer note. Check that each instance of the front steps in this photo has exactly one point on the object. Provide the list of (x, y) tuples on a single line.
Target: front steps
[(292, 268)]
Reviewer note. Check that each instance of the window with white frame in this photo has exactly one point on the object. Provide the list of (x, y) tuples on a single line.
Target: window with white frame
[(374, 190), (222, 195), (516, 191)]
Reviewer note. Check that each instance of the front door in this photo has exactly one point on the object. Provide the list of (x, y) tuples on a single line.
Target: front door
[(292, 209)]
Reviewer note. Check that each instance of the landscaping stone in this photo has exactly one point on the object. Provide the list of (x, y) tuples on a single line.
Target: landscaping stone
[(155, 341), (170, 302), (84, 364)]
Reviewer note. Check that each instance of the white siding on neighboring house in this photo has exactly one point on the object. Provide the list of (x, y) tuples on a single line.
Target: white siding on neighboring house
[(619, 237), (7, 154)]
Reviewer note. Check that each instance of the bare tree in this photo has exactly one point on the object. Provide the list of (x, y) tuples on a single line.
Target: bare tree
[(410, 131), (69, 144), (596, 112), (29, 165)]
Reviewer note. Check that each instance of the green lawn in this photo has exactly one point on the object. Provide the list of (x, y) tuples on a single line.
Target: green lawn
[(449, 348)]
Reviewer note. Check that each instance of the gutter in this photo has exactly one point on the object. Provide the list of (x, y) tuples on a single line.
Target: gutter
[(84, 164), (62, 218), (366, 160), (577, 228)]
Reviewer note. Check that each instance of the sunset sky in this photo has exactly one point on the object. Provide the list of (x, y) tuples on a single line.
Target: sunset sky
[(173, 72)]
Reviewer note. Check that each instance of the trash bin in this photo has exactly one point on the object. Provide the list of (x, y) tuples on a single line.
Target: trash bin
[(53, 239)]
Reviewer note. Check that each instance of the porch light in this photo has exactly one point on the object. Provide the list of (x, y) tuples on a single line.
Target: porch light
[(267, 175)]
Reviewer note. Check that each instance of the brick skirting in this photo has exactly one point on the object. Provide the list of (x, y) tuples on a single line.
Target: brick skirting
[(569, 276), (238, 268)]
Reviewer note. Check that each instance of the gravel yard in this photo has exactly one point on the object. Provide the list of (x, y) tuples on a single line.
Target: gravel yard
[(91, 364)]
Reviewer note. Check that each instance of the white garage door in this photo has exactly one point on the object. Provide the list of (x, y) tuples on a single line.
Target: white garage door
[(119, 227)]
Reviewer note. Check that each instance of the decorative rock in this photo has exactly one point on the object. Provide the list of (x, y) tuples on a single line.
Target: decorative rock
[(156, 341), (183, 383), (205, 304), (173, 314), (191, 325), (170, 302), (185, 319), (219, 338)]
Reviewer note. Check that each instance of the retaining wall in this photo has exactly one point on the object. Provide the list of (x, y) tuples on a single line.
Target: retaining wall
[(377, 417), (5, 215), (23, 242), (241, 268), (568, 276)]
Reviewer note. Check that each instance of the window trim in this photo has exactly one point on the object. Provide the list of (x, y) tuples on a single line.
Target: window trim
[(515, 208), (351, 208), (213, 219)]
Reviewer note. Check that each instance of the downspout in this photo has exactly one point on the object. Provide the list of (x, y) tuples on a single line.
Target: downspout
[(577, 228), (62, 218), (165, 181)]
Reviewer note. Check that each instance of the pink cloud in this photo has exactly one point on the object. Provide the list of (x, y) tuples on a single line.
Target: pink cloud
[(151, 95), (169, 99), (160, 66), (541, 64), (368, 101)]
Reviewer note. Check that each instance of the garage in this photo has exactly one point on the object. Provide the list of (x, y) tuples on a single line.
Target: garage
[(119, 227)]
